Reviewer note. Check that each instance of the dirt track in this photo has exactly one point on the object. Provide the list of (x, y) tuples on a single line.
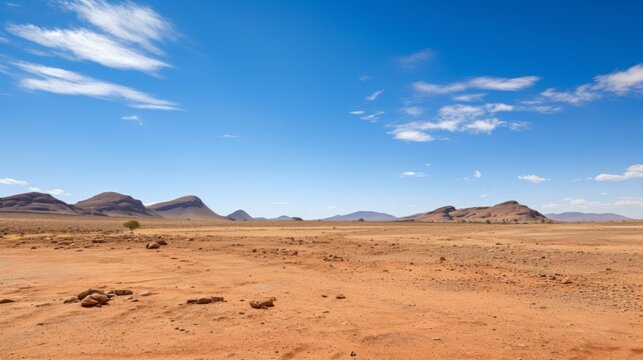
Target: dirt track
[(546, 291)]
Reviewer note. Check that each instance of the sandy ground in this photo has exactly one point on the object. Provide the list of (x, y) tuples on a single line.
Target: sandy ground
[(546, 291)]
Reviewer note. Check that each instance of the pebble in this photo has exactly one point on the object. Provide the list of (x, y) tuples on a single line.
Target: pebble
[(6, 301), (152, 245), (262, 303), (340, 296)]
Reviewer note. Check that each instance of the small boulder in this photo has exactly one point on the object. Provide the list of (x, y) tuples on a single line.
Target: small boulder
[(161, 242), (88, 292), (6, 301), (340, 297), (152, 245), (71, 300), (88, 302), (262, 303), (122, 292)]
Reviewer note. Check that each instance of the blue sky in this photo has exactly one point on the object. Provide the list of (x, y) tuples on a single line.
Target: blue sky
[(317, 108)]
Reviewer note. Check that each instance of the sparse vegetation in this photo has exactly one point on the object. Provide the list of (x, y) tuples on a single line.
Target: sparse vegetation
[(132, 225)]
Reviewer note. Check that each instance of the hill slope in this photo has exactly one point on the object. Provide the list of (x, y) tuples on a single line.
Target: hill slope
[(186, 207), (509, 211), (240, 215), (38, 203), (366, 215), (579, 216), (115, 204)]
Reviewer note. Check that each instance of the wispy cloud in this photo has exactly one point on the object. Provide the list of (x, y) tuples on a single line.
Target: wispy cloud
[(134, 118), (12, 181), (127, 21), (413, 174), (413, 61), (533, 178), (468, 97), (481, 83), (372, 117), (50, 192), (581, 203), (455, 118), (61, 81), (619, 83), (477, 174), (364, 77), (413, 110), (357, 112), (632, 172), (375, 95), (83, 44), (229, 136)]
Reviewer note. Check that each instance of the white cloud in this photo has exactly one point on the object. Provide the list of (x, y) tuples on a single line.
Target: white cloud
[(413, 174), (455, 118), (373, 116), (87, 45), (532, 178), (364, 77), (135, 118), (499, 107), (12, 181), (413, 110), (468, 97), (632, 172), (229, 136), (50, 192), (375, 95), (60, 81), (482, 83), (580, 95), (477, 174), (126, 21), (412, 61), (621, 82), (411, 135), (357, 112)]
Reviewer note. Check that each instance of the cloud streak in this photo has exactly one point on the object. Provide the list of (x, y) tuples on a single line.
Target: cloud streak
[(480, 83), (12, 181), (65, 82), (533, 178), (632, 172)]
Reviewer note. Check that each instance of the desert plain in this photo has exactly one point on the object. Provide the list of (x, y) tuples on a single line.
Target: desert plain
[(343, 290)]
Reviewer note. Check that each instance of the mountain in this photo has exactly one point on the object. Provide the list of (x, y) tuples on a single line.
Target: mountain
[(579, 216), (365, 215), (282, 218), (186, 207), (115, 204), (240, 215), (509, 211), (35, 202)]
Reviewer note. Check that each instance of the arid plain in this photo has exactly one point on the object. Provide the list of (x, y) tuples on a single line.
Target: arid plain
[(410, 290)]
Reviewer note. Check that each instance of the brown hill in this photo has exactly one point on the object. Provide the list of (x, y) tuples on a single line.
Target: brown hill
[(509, 211), (36, 202), (115, 204), (186, 207)]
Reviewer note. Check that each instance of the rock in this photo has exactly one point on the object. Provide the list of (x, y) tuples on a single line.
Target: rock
[(88, 302), (71, 300), (191, 301), (146, 293), (566, 281), (333, 258), (205, 300), (262, 303), (353, 353), (99, 241), (122, 292), (6, 301), (161, 242), (442, 258), (340, 297), (88, 292), (152, 245)]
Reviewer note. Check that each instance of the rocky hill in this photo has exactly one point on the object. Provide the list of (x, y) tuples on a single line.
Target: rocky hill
[(115, 204), (186, 207), (35, 202)]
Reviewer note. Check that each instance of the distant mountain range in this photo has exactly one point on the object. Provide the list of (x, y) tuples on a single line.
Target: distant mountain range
[(583, 217), (363, 215), (191, 207)]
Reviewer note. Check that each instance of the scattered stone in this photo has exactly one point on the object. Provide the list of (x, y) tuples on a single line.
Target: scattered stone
[(262, 303), (99, 241), (353, 353), (340, 297), (71, 300), (88, 292), (122, 292), (146, 293), (95, 299), (442, 258), (205, 300), (152, 245), (333, 258), (566, 281), (161, 242), (6, 301)]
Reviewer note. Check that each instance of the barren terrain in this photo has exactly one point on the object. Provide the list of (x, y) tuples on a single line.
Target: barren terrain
[(410, 290)]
